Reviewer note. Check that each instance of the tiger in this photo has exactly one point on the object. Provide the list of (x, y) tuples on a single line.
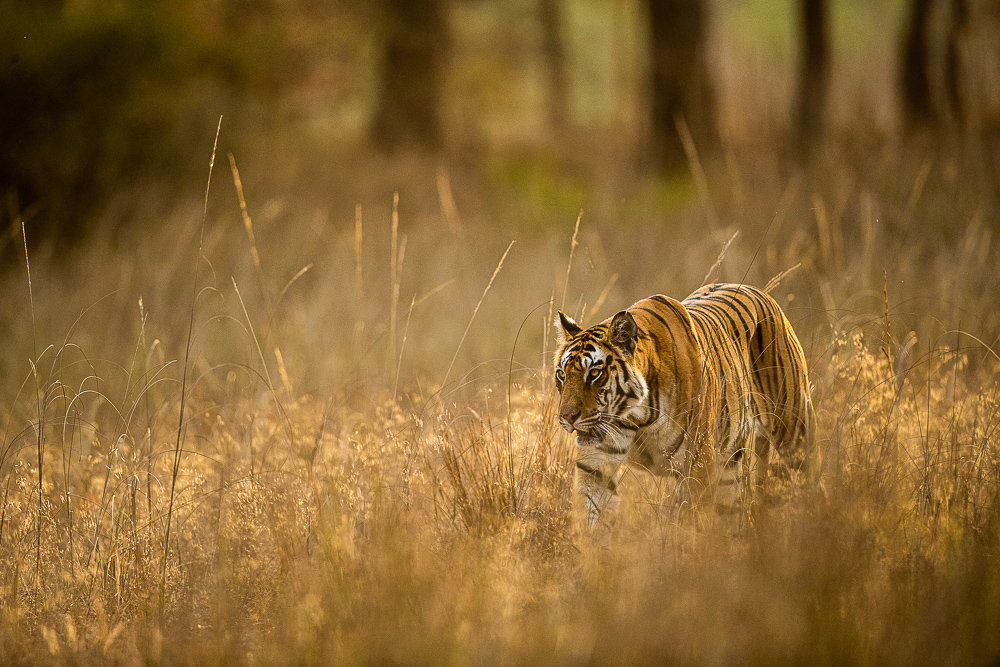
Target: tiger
[(684, 390)]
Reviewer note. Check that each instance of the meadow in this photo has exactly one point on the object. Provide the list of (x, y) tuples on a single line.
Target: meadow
[(261, 429)]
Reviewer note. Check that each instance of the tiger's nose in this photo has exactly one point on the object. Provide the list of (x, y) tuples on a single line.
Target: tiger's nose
[(569, 419)]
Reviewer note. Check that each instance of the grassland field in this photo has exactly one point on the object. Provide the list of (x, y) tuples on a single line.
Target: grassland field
[(262, 429)]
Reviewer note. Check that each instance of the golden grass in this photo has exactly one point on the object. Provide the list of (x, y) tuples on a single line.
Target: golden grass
[(334, 504)]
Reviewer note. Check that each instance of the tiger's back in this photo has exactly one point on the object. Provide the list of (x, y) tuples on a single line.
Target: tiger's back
[(757, 364)]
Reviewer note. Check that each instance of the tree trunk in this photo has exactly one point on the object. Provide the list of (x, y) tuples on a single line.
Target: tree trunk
[(814, 73), (680, 86), (915, 81), (555, 65), (415, 35), (952, 67)]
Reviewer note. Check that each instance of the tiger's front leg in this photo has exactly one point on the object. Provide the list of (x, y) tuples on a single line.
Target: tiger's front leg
[(598, 472), (595, 486)]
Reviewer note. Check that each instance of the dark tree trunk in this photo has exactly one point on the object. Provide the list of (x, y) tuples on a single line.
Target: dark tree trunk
[(680, 86), (915, 81), (814, 73), (952, 66), (555, 64), (415, 35)]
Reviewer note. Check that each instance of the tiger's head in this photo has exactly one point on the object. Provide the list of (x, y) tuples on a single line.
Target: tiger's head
[(598, 383)]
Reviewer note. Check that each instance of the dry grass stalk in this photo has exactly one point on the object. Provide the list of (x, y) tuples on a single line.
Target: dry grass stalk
[(776, 280), (697, 171), (346, 525), (569, 262), (394, 266), (359, 283), (402, 346), (604, 293), (710, 274), (178, 448), (496, 271), (40, 426), (247, 221), (447, 201)]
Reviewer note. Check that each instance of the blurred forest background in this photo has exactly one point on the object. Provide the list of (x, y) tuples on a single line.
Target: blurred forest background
[(563, 103), (296, 417)]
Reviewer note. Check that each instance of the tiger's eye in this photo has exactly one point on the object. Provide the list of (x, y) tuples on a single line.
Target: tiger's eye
[(596, 375)]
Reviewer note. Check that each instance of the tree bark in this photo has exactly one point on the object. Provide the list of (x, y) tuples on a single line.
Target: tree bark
[(555, 65), (814, 73), (952, 67), (415, 34), (915, 81), (680, 85)]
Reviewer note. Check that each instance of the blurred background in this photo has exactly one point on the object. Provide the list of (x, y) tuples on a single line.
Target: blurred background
[(571, 102), (858, 141), (339, 354)]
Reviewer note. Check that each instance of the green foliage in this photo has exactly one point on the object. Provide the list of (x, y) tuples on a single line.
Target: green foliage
[(537, 183)]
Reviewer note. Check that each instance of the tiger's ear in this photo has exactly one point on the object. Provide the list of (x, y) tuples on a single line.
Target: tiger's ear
[(566, 327), (623, 331)]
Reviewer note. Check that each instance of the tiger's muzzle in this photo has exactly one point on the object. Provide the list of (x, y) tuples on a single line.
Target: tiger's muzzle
[(568, 420), (586, 428)]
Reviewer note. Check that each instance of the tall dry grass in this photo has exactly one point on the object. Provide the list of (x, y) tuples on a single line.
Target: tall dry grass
[(341, 497)]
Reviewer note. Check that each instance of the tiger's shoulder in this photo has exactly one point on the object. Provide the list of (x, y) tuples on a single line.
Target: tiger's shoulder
[(714, 317), (669, 312), (660, 311)]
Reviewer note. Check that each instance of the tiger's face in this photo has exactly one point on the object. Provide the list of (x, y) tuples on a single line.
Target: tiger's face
[(597, 384)]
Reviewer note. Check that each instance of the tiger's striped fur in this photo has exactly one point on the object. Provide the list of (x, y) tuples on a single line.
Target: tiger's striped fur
[(683, 389)]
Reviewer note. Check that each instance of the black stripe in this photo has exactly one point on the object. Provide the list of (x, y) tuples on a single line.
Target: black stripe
[(729, 300), (705, 312), (721, 351), (733, 370), (676, 309), (726, 314), (608, 483), (761, 364), (751, 307), (655, 314), (673, 340), (605, 447), (738, 301), (652, 402)]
